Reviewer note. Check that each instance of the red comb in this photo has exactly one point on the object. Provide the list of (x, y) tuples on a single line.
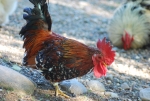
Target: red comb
[(106, 50)]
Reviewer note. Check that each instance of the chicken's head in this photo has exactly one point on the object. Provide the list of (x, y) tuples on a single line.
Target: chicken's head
[(103, 59), (127, 40)]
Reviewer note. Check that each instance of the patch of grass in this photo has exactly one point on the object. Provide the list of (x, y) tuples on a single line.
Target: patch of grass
[(47, 95), (8, 88), (2, 99), (89, 90)]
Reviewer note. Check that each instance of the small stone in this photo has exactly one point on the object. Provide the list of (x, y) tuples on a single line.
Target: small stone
[(117, 54), (111, 94), (145, 94), (122, 51), (101, 93), (145, 86), (140, 88), (102, 30), (125, 86), (133, 82), (109, 82), (73, 86), (16, 67), (20, 100), (137, 57), (129, 100), (109, 77), (95, 20), (118, 84), (115, 48), (139, 99), (96, 85), (148, 59), (116, 80), (104, 20), (1, 90), (124, 55), (114, 95), (108, 94)]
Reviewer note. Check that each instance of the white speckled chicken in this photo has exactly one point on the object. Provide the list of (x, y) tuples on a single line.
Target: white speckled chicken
[(129, 27), (7, 7)]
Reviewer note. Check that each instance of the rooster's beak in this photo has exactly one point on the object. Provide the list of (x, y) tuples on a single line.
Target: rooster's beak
[(105, 64)]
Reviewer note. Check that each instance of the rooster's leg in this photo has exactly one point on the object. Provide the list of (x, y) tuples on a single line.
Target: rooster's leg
[(59, 92)]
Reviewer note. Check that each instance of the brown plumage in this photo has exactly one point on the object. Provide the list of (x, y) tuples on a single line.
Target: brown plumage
[(58, 57), (67, 59)]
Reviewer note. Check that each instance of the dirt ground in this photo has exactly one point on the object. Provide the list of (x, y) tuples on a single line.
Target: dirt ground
[(68, 19)]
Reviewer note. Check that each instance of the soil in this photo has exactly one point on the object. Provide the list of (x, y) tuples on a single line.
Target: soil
[(85, 21)]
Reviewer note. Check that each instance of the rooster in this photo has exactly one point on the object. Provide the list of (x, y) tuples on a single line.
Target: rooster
[(7, 7), (129, 27), (59, 58)]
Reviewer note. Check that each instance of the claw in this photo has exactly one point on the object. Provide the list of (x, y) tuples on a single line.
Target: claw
[(59, 92)]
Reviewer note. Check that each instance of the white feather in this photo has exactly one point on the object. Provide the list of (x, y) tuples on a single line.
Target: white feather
[(147, 2), (125, 19), (7, 7)]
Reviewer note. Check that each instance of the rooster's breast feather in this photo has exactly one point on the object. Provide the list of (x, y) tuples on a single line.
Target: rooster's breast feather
[(65, 57)]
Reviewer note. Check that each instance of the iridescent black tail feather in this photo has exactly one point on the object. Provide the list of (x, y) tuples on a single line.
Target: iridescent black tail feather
[(36, 15)]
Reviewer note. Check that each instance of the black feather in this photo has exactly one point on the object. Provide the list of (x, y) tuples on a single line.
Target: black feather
[(38, 13), (47, 16), (37, 2)]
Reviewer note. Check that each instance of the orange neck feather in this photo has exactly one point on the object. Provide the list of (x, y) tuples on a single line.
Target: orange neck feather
[(34, 42)]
